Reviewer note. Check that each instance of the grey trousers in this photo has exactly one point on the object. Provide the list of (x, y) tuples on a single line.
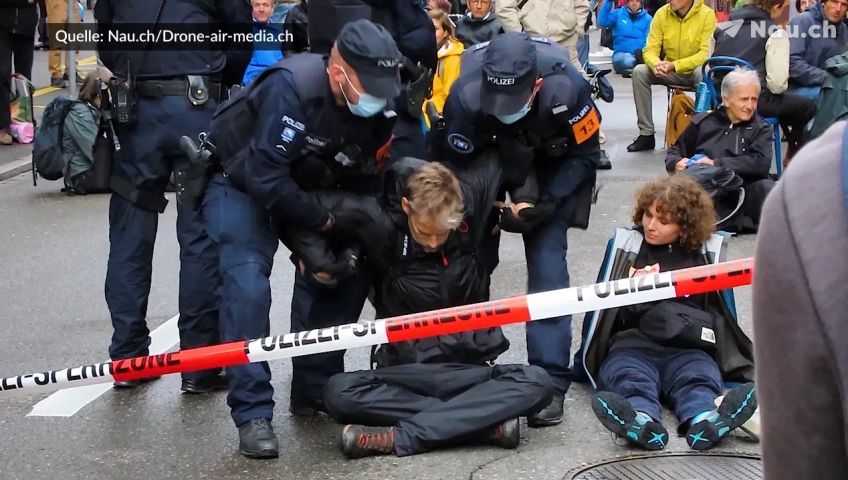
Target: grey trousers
[(642, 79)]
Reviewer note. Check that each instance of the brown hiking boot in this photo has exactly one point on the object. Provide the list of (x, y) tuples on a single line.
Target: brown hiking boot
[(5, 138), (360, 441), (506, 434)]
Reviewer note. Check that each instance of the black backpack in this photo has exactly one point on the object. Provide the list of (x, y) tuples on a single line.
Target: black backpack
[(47, 158)]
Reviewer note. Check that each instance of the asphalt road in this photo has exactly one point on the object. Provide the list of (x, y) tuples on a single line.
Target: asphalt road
[(53, 251)]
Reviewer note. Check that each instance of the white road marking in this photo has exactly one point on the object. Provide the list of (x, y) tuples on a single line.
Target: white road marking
[(67, 402)]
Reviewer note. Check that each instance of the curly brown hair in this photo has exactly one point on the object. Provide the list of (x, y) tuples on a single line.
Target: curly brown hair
[(680, 200)]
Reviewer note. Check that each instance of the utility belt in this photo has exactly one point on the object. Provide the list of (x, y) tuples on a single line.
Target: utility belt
[(197, 89)]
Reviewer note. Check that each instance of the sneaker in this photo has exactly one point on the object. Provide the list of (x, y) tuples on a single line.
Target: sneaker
[(360, 441), (506, 435), (737, 408), (642, 142), (617, 416), (58, 82), (6, 138), (257, 439)]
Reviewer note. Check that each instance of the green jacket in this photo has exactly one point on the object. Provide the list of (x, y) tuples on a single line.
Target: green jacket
[(80, 132), (832, 104)]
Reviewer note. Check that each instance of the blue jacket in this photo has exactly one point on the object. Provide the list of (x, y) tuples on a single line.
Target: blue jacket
[(807, 55), (628, 34), (264, 53)]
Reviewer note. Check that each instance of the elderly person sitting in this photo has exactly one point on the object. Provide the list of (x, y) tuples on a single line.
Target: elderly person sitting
[(735, 137), (479, 24)]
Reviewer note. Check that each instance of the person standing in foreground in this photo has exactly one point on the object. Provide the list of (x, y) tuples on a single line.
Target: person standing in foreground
[(800, 296)]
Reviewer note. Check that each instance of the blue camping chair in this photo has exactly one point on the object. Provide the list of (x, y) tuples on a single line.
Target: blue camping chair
[(723, 65)]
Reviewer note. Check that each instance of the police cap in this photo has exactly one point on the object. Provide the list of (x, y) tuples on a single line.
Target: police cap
[(372, 52), (509, 73)]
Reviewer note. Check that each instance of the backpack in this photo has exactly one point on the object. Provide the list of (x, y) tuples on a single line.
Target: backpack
[(681, 108), (47, 158)]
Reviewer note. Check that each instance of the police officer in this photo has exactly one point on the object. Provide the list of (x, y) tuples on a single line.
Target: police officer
[(521, 99), (177, 93), (304, 110)]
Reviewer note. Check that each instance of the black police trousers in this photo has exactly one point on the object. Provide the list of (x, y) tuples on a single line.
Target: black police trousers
[(433, 404)]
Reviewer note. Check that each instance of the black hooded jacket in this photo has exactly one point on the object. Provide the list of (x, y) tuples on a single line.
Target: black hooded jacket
[(409, 280)]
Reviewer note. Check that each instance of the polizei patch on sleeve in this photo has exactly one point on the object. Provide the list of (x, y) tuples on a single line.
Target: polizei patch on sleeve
[(460, 143)]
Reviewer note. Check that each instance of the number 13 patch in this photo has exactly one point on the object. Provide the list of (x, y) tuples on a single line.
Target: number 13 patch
[(585, 124)]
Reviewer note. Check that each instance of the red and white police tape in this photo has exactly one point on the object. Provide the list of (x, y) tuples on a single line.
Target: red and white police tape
[(536, 306)]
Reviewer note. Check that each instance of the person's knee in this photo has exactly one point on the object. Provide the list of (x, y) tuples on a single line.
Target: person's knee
[(337, 395), (641, 75)]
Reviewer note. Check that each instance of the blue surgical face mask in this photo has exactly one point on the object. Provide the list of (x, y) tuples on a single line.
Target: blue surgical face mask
[(514, 117), (368, 105)]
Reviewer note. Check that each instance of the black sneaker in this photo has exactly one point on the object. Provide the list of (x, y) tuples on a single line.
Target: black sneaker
[(306, 407), (642, 142), (506, 434), (737, 408), (617, 415), (360, 441), (548, 416), (257, 439), (58, 82), (604, 162), (128, 384)]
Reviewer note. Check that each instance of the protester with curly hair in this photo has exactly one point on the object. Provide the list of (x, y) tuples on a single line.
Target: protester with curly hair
[(670, 348)]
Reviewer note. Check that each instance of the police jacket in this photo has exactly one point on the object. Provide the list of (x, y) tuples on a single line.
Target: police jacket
[(405, 19), (744, 147), (286, 124), (19, 17), (230, 15), (558, 137), (409, 280)]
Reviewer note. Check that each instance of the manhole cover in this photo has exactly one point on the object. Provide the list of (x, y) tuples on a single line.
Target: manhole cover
[(680, 466)]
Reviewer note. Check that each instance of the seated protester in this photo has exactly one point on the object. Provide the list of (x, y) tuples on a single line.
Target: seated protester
[(770, 57), (265, 54), (79, 134), (295, 23), (735, 137), (479, 24), (820, 35), (630, 27), (641, 361), (421, 245), (450, 53), (683, 29)]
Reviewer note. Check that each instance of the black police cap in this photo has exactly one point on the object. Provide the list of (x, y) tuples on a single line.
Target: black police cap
[(509, 73), (372, 52)]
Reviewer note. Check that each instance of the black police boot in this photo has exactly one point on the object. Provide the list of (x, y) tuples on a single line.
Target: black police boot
[(204, 384), (257, 439), (604, 163), (128, 384), (306, 407), (548, 416), (642, 142)]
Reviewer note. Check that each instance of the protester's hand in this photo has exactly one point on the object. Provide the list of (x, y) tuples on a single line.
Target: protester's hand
[(706, 161), (515, 207), (681, 165)]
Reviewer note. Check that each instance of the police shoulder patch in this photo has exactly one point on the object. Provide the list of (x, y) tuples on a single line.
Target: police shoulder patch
[(460, 143)]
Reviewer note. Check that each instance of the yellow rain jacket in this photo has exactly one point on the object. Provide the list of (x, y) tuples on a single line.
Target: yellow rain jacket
[(446, 73), (685, 41)]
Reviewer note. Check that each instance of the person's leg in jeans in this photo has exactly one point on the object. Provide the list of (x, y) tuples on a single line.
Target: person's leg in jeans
[(812, 91), (623, 62), (583, 49), (5, 85)]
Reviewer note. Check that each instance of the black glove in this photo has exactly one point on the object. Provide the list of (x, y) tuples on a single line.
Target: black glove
[(527, 219)]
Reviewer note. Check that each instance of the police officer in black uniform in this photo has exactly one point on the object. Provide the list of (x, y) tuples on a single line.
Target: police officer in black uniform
[(312, 306), (161, 94), (303, 115), (521, 99)]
